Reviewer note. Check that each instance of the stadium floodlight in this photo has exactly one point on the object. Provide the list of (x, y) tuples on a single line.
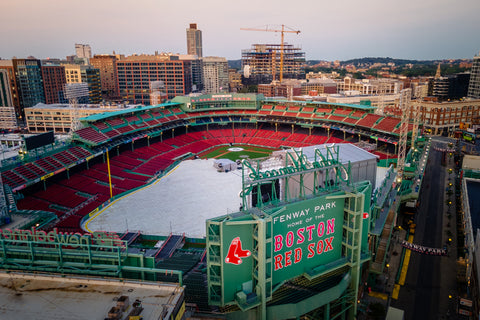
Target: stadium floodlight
[(157, 92), (72, 92), (75, 90)]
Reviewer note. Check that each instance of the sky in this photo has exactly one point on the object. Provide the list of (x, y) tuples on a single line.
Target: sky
[(330, 30)]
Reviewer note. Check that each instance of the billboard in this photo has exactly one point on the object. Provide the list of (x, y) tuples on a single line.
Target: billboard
[(306, 234), (39, 140)]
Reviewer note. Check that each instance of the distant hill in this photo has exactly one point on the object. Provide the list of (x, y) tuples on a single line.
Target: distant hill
[(368, 61), (235, 64), (373, 60)]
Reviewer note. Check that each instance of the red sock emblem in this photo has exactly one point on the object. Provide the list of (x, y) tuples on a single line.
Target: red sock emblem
[(236, 253)]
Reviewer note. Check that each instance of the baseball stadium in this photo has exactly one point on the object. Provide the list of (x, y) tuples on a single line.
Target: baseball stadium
[(249, 208)]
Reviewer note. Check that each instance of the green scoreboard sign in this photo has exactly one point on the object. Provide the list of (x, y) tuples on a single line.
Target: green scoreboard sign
[(305, 235)]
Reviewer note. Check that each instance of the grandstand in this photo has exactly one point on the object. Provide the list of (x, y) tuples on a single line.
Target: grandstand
[(144, 144)]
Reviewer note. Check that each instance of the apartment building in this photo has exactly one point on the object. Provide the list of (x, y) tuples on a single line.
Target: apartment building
[(319, 86), (194, 41), (53, 83), (28, 73), (370, 86), (447, 116), (58, 117), (7, 111), (474, 84), (83, 50), (215, 74), (136, 72), (107, 65)]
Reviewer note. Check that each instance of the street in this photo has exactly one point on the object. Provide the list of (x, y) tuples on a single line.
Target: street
[(432, 279)]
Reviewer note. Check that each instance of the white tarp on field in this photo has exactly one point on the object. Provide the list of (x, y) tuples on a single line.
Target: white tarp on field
[(179, 202)]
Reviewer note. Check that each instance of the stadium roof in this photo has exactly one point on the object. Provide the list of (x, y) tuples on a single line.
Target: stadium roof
[(347, 152), (106, 115)]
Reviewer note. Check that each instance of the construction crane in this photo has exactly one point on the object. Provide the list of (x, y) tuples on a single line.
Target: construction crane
[(282, 31)]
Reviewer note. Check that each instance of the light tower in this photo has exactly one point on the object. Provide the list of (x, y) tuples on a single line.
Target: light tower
[(157, 94), (3, 204), (380, 110), (73, 91), (416, 114), (405, 96)]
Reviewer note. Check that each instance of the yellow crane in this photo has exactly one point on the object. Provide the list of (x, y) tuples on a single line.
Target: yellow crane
[(282, 32)]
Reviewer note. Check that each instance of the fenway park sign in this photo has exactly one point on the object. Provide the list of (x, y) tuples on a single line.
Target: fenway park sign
[(306, 235)]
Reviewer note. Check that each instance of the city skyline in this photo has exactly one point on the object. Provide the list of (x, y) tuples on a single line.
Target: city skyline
[(339, 30)]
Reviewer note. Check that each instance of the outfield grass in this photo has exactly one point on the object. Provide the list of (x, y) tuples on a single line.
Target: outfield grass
[(248, 151)]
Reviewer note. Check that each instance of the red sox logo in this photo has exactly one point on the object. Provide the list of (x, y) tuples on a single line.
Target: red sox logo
[(236, 253)]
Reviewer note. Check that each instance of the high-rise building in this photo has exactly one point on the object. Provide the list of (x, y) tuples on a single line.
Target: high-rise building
[(108, 74), (53, 83), (136, 72), (30, 83), (8, 66), (85, 74), (261, 63), (5, 92), (234, 80), (7, 111), (319, 86), (474, 85), (83, 50), (451, 87), (197, 70), (194, 40), (73, 73), (91, 76), (215, 74)]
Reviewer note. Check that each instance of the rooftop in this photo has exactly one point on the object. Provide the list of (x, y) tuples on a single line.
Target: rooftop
[(25, 296), (471, 162), (347, 152)]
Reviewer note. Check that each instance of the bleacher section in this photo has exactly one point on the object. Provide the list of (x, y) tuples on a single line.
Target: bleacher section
[(369, 120), (109, 129), (387, 124), (90, 135), (30, 172)]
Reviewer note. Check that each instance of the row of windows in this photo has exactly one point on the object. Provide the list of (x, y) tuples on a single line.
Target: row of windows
[(150, 64), (428, 116)]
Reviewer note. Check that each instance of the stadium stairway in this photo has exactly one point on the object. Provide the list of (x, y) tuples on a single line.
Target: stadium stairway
[(173, 243)]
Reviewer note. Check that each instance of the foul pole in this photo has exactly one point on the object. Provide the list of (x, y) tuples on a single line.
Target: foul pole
[(109, 176)]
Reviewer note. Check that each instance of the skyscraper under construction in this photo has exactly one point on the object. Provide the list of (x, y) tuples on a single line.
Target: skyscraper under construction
[(262, 63)]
